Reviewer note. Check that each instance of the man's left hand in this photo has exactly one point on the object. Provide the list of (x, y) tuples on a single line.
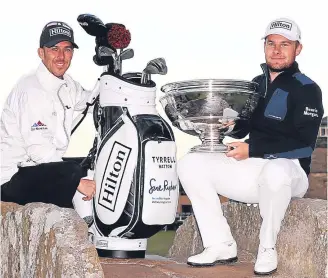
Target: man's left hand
[(238, 150)]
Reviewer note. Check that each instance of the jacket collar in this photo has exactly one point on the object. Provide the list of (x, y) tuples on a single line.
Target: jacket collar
[(291, 70), (47, 80)]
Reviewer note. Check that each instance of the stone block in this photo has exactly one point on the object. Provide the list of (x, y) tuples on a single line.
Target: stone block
[(43, 240), (301, 244)]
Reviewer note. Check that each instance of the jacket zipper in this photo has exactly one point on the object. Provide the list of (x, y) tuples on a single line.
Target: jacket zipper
[(266, 78), (63, 105)]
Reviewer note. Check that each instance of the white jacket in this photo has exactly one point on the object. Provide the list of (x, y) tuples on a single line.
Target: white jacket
[(37, 119)]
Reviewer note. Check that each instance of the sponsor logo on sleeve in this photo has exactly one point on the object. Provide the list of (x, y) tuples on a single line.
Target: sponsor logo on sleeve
[(312, 112)]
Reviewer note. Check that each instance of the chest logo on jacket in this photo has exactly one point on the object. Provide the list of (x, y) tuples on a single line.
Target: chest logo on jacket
[(38, 126)]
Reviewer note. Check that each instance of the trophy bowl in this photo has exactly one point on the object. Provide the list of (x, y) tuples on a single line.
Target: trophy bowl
[(208, 108)]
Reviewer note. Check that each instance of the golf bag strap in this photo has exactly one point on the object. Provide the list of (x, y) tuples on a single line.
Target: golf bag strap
[(94, 95), (84, 113), (89, 161)]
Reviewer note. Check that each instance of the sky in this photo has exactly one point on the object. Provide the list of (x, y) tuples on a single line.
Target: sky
[(198, 39)]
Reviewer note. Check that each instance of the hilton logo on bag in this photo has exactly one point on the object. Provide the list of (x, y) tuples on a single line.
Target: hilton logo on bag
[(113, 175)]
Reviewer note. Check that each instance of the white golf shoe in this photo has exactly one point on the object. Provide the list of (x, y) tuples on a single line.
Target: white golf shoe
[(222, 253), (266, 262)]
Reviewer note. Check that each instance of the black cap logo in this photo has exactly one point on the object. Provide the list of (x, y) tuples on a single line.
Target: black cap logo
[(59, 31)]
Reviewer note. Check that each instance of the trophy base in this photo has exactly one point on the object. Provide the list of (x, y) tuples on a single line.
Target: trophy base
[(210, 148)]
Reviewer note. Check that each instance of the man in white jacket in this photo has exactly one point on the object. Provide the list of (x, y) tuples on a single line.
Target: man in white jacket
[(36, 126)]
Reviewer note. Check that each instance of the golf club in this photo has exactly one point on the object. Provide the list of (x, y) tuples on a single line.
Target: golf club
[(124, 55), (155, 66)]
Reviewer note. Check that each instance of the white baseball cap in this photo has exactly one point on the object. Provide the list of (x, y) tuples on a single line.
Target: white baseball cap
[(284, 27)]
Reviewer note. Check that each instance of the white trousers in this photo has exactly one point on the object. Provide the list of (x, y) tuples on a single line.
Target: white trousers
[(83, 208), (271, 183)]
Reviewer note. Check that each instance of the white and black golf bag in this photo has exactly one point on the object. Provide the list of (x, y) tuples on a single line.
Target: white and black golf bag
[(133, 160), (137, 187)]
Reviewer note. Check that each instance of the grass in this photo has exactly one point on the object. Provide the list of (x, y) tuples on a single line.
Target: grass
[(160, 243)]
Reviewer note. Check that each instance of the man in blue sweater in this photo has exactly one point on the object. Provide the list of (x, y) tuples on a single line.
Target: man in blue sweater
[(271, 166)]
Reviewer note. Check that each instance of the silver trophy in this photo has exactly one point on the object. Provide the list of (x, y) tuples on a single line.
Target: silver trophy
[(209, 108)]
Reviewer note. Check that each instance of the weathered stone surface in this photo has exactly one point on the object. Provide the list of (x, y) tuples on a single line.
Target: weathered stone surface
[(302, 241), (318, 176), (164, 268), (43, 240), (319, 160), (187, 241), (317, 186)]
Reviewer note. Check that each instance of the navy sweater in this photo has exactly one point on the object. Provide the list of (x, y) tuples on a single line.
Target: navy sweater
[(286, 121)]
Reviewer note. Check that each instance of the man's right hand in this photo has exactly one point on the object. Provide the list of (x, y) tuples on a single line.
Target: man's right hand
[(87, 188)]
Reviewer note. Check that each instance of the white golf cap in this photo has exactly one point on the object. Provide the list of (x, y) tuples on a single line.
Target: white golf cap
[(284, 27)]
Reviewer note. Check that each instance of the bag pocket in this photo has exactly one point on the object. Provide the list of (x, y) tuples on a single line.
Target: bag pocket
[(161, 183)]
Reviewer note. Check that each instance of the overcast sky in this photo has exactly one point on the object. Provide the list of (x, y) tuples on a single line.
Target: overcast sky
[(198, 39)]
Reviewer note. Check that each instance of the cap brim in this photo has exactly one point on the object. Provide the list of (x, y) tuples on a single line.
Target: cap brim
[(54, 42), (281, 34)]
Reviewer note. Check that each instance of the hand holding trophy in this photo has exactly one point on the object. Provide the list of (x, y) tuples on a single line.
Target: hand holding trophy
[(208, 108)]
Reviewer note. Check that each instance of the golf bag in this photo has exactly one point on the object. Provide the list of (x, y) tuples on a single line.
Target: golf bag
[(134, 166)]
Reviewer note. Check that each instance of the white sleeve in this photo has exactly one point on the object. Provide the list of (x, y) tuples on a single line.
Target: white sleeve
[(34, 122), (82, 96)]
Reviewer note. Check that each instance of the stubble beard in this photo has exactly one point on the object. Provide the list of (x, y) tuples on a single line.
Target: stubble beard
[(278, 68)]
